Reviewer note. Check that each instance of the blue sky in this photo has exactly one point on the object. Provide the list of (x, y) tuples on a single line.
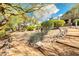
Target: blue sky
[(63, 8)]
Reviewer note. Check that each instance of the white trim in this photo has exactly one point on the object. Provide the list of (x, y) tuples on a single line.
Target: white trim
[(39, 1)]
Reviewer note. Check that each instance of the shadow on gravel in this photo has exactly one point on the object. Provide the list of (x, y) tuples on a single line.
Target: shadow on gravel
[(37, 37)]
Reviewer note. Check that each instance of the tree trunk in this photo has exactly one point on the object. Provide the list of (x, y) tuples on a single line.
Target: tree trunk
[(69, 22), (76, 23)]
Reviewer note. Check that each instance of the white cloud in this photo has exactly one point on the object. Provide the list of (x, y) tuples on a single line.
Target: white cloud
[(47, 10), (60, 15)]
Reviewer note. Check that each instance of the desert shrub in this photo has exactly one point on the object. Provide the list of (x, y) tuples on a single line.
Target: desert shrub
[(14, 22), (38, 26), (2, 33), (6, 27), (47, 24), (32, 21), (30, 27), (58, 23), (53, 23)]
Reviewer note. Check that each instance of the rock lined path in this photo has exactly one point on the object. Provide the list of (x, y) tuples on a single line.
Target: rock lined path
[(72, 38), (19, 46)]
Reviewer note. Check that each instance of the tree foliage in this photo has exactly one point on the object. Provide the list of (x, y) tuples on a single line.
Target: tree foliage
[(72, 14), (13, 17)]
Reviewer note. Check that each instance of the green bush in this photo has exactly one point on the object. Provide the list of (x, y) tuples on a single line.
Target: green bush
[(78, 22), (47, 24), (53, 23), (6, 27), (58, 23), (30, 28), (14, 22), (38, 26), (2, 33)]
